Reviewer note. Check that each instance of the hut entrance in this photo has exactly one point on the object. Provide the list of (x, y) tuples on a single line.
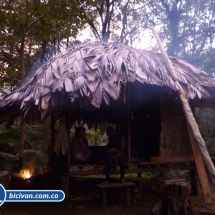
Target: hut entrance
[(145, 121)]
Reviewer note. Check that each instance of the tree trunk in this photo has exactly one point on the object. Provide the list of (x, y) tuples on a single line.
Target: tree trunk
[(176, 199), (22, 66)]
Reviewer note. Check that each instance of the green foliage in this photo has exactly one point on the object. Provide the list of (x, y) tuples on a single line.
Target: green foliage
[(34, 31), (197, 201), (36, 147), (95, 138), (6, 161), (34, 160)]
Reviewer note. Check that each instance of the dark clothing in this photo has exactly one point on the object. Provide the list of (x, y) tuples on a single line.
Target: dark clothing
[(110, 162), (116, 143), (115, 159), (76, 147), (79, 153)]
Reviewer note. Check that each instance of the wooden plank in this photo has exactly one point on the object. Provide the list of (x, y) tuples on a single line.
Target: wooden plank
[(203, 179), (85, 165), (174, 159), (172, 117), (115, 185)]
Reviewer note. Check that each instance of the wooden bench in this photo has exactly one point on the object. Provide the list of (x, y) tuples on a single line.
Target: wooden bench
[(156, 164), (126, 185)]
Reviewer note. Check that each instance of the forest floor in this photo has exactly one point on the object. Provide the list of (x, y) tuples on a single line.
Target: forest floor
[(85, 198)]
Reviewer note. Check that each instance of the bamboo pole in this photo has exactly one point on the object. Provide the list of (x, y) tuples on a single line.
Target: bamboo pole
[(203, 179), (194, 130)]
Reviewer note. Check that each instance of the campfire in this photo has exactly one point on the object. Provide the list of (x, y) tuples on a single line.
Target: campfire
[(27, 178), (25, 173)]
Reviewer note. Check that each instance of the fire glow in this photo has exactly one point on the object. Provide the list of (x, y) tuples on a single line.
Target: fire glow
[(25, 173)]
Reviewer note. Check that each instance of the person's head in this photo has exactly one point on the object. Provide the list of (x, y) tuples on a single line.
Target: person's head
[(111, 132), (80, 132)]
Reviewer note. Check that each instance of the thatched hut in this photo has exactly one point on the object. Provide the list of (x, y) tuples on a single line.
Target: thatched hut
[(98, 82)]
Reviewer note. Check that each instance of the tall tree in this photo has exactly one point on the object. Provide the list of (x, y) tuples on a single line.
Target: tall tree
[(117, 21), (188, 29), (32, 30)]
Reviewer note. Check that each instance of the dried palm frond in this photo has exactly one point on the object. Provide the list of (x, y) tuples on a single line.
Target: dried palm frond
[(97, 71)]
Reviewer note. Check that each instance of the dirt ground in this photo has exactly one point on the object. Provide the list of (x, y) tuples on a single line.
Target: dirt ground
[(85, 198)]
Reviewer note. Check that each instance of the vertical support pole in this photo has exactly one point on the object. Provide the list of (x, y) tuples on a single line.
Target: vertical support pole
[(64, 181), (51, 145), (139, 174), (194, 183), (104, 193), (128, 124), (128, 195), (66, 176), (21, 144), (68, 126), (52, 135), (68, 151), (203, 179)]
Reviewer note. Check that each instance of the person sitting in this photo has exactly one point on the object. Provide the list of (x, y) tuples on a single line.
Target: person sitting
[(115, 151), (80, 151)]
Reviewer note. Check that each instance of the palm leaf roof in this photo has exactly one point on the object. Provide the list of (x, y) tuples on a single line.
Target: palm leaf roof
[(97, 72)]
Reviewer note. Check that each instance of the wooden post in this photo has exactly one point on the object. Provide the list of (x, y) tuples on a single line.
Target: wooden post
[(64, 181), (104, 194), (52, 135), (51, 145), (68, 151), (204, 183), (128, 124), (139, 174), (66, 176), (194, 183), (68, 127), (21, 144), (128, 196)]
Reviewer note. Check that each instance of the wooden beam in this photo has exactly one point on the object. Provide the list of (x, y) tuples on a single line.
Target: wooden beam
[(169, 159), (203, 179)]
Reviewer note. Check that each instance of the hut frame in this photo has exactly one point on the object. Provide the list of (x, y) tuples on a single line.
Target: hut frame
[(93, 74)]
